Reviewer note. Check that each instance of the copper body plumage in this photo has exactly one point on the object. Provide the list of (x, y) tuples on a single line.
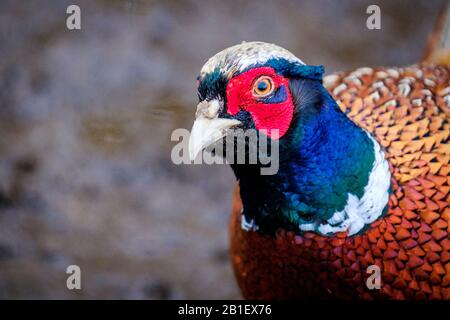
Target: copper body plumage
[(407, 110)]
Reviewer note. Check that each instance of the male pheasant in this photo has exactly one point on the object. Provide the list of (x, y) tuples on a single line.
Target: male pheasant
[(363, 177)]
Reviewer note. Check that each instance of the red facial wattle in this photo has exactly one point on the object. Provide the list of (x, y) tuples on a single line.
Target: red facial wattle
[(266, 115)]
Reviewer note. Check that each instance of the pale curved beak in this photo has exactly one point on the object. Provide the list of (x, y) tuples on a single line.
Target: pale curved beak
[(208, 127)]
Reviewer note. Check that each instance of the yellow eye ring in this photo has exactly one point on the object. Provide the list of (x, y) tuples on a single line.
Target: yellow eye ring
[(263, 87)]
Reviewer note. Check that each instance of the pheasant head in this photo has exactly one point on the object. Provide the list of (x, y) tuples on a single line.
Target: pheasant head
[(332, 174)]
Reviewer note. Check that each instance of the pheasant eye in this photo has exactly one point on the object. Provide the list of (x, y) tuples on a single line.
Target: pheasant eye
[(263, 86)]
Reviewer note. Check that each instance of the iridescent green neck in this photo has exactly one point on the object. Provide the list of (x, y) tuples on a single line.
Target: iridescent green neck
[(325, 162)]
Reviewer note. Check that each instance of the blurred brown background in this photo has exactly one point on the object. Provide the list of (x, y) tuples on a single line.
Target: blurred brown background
[(85, 123)]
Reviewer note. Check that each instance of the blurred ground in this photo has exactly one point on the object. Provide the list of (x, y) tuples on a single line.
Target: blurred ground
[(85, 123)]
